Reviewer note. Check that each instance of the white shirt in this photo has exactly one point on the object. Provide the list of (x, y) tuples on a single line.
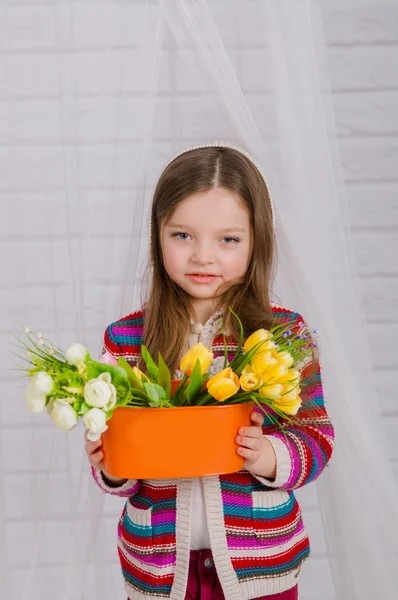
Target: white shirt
[(200, 539)]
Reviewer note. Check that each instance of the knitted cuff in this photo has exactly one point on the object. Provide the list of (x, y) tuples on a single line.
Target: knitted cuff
[(283, 464), (128, 488)]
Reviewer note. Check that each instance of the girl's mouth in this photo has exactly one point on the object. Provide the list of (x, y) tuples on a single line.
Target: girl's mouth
[(202, 277)]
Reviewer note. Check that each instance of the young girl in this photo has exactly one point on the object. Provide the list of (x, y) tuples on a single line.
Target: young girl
[(237, 536)]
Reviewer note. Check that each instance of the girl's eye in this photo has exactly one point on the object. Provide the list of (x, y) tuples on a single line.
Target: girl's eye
[(228, 240), (181, 235)]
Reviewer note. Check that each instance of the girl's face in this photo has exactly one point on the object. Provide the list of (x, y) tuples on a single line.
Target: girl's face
[(207, 244)]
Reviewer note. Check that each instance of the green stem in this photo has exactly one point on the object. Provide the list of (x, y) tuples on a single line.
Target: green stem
[(205, 399), (176, 397)]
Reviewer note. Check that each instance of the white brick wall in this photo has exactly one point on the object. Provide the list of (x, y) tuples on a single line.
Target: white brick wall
[(363, 58), (44, 152)]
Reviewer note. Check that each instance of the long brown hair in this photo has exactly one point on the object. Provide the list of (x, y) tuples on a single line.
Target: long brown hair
[(167, 310)]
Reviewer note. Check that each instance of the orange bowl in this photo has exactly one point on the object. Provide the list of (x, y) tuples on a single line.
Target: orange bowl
[(189, 441)]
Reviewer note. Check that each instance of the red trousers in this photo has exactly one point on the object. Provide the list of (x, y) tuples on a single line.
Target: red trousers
[(203, 583)]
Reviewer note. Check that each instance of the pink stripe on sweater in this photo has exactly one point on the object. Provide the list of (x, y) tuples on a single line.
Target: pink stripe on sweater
[(164, 516), (240, 499), (128, 331)]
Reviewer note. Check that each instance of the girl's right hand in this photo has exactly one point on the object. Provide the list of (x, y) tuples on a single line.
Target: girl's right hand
[(95, 453), (96, 460)]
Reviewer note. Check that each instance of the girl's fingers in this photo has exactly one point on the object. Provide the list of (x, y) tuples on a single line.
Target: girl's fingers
[(92, 447), (98, 457), (249, 455), (97, 461), (249, 442), (94, 453), (257, 418), (254, 432)]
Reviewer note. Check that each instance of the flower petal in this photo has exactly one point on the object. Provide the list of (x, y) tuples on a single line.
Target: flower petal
[(223, 389)]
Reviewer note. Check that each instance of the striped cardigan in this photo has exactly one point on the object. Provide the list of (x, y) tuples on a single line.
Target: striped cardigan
[(255, 525)]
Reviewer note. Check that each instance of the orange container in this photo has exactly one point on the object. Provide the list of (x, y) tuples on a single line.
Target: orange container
[(190, 441)]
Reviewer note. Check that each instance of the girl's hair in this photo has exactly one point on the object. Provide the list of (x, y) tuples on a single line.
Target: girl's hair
[(167, 310)]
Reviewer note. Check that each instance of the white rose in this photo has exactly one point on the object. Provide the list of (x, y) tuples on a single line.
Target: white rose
[(42, 383), (95, 421), (100, 392), (63, 415), (75, 353), (35, 403)]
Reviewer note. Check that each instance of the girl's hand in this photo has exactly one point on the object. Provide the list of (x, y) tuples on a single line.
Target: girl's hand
[(95, 453), (257, 451), (96, 460), (250, 440)]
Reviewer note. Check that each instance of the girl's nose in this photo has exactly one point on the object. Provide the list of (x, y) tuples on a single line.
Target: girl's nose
[(201, 255)]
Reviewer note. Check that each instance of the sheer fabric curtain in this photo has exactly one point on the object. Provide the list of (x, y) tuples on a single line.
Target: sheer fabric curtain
[(99, 96)]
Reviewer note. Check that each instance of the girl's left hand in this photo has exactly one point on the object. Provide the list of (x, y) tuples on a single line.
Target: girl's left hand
[(250, 440)]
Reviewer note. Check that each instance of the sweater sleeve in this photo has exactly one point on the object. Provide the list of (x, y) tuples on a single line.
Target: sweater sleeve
[(304, 450), (130, 486), (110, 344), (126, 489)]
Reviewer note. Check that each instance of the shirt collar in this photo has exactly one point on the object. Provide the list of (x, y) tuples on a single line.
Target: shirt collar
[(211, 324)]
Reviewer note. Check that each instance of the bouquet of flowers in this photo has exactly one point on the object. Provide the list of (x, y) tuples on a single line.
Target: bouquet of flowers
[(265, 370)]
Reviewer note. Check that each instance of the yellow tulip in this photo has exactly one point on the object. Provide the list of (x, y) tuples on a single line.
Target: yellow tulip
[(140, 375), (267, 347), (197, 352), (274, 374), (292, 376), (289, 401), (289, 409), (273, 392), (285, 358), (223, 385), (262, 361), (261, 335), (289, 394), (249, 381)]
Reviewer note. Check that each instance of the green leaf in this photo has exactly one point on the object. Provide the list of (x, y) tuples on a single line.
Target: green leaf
[(195, 384), (78, 404), (150, 363), (224, 339), (132, 377), (206, 399), (138, 395), (178, 398), (85, 408), (164, 377), (156, 394), (123, 389), (124, 398), (241, 332)]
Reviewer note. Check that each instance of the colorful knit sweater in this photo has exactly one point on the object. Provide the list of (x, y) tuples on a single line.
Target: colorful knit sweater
[(255, 525)]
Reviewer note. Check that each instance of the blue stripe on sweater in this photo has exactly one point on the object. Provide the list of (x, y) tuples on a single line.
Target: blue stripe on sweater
[(251, 572), (245, 488), (162, 529), (234, 510), (138, 583), (272, 513), (126, 340), (143, 531)]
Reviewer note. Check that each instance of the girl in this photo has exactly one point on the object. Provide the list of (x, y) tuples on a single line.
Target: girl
[(237, 536)]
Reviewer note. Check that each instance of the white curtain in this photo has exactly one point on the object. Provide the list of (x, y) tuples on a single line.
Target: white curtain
[(111, 92)]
